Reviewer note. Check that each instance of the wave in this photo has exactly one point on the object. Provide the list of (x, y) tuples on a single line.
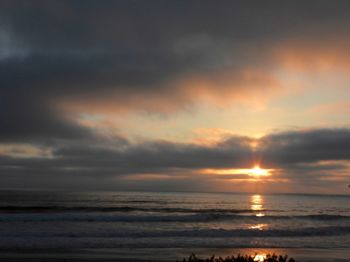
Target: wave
[(48, 209), (139, 218), (197, 233)]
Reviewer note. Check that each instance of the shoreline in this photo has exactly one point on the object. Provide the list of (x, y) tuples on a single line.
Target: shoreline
[(169, 254)]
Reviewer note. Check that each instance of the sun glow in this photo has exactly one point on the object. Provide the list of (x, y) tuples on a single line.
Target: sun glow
[(258, 172), (254, 173)]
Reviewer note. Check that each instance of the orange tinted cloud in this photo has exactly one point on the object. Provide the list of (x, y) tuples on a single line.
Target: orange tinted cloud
[(254, 83), (326, 54), (25, 151), (249, 87), (335, 108)]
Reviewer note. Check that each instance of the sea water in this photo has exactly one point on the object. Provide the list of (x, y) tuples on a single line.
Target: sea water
[(40, 220)]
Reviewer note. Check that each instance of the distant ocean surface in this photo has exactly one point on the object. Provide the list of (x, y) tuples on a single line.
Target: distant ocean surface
[(43, 220)]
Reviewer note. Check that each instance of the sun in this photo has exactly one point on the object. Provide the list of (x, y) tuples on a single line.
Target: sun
[(256, 171), (253, 174)]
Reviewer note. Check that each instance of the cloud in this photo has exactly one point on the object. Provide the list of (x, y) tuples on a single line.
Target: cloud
[(331, 109), (62, 58), (298, 157), (306, 146), (25, 119)]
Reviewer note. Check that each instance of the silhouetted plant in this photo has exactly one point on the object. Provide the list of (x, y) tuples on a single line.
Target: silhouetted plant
[(240, 258)]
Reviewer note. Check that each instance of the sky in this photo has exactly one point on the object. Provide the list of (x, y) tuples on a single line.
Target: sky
[(195, 95)]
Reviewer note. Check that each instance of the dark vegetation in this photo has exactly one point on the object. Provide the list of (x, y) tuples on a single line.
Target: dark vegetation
[(240, 258)]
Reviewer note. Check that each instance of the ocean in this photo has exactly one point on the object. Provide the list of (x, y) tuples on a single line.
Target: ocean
[(41, 220)]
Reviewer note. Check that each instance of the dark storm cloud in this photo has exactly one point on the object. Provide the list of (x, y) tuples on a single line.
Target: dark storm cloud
[(54, 50)]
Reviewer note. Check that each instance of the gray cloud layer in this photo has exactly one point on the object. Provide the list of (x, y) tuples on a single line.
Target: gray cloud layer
[(298, 154), (307, 146)]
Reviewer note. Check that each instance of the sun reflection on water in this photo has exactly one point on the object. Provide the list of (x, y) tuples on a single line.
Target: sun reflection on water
[(260, 215), (258, 226), (259, 257), (256, 204)]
